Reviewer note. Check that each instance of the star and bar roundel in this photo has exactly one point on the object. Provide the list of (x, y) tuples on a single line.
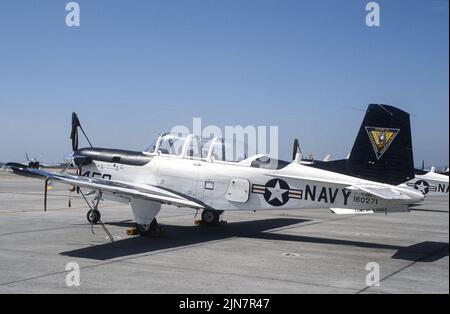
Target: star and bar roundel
[(276, 192), (423, 186)]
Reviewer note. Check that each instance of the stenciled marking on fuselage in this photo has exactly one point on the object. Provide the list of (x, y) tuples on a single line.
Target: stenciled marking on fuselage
[(326, 195), (443, 188), (97, 175), (277, 193)]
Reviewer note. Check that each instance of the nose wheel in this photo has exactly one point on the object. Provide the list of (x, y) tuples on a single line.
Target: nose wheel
[(93, 216), (211, 217)]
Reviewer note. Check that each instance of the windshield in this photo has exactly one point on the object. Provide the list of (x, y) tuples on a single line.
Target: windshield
[(151, 149)]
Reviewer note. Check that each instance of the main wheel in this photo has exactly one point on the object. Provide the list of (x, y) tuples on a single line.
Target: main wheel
[(93, 216), (147, 230), (211, 217)]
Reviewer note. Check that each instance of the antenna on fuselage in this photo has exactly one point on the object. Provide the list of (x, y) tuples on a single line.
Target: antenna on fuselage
[(297, 155)]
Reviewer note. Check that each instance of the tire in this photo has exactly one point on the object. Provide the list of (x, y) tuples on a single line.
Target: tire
[(93, 216), (147, 230), (211, 217)]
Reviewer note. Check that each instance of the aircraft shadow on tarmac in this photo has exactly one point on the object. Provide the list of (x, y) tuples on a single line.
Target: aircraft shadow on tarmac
[(177, 237)]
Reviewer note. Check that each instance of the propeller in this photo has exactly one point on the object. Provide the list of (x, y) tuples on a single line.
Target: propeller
[(74, 137), (33, 163), (74, 132)]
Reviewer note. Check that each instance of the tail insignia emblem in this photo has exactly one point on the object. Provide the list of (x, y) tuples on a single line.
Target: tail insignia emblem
[(381, 139)]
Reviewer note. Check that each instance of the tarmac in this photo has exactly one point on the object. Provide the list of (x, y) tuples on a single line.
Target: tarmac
[(296, 251)]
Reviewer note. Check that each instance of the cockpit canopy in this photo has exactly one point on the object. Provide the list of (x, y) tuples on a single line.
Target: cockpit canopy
[(191, 146), (210, 149)]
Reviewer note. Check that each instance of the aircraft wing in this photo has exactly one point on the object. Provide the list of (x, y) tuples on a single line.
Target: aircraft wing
[(115, 188)]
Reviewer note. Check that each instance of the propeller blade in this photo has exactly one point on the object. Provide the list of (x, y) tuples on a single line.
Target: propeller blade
[(74, 131)]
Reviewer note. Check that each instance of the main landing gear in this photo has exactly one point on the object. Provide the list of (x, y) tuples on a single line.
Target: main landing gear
[(211, 217), (148, 230)]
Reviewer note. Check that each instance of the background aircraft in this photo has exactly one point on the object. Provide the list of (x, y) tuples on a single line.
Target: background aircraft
[(431, 183), (34, 163)]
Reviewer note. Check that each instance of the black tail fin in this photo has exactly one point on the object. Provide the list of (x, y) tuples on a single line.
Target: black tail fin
[(383, 148)]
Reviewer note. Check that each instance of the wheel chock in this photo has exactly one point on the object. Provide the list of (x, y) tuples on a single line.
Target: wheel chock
[(132, 231), (157, 233)]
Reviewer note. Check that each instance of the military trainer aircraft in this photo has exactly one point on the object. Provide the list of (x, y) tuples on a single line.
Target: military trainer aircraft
[(191, 172)]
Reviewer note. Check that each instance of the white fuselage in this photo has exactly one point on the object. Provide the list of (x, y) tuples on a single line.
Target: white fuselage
[(238, 186)]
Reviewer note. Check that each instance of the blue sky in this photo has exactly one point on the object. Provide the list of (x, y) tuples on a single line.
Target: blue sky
[(137, 68)]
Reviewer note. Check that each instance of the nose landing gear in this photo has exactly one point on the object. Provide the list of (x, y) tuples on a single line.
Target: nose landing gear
[(93, 216)]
